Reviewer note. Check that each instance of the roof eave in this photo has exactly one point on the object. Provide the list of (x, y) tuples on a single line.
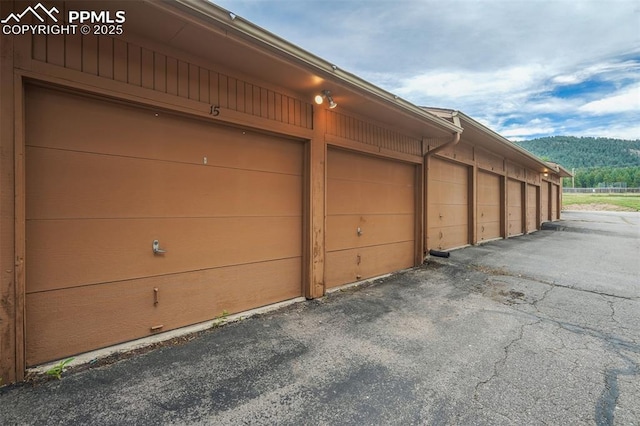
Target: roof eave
[(248, 30), (449, 113)]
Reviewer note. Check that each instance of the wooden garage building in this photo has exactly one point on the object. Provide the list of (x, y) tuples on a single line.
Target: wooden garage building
[(484, 187), (155, 177)]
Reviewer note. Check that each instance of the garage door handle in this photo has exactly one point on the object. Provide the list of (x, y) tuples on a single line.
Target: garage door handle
[(156, 247)]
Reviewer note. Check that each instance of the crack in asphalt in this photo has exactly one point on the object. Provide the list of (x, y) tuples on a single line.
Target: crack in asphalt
[(544, 296), (503, 359), (504, 272), (624, 219), (607, 402), (613, 314)]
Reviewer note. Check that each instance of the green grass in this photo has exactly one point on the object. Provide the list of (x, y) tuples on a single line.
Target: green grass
[(631, 201)]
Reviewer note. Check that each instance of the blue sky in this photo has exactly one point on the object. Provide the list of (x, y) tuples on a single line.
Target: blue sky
[(525, 68)]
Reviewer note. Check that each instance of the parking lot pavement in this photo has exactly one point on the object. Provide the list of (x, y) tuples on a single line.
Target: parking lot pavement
[(538, 329)]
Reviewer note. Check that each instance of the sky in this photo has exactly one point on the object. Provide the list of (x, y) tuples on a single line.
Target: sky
[(524, 68)]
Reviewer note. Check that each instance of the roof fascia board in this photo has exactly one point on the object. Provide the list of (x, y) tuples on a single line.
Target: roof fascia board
[(448, 113), (561, 170), (254, 33), (502, 140), (451, 114)]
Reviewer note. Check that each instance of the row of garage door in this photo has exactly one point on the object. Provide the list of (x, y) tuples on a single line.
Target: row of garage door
[(104, 181), (449, 201), (139, 222)]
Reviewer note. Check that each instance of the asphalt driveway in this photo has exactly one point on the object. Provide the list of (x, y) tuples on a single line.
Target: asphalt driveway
[(539, 329)]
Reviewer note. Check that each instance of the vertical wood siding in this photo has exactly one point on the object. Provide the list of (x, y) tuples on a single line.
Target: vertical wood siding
[(489, 161), (460, 152), (515, 171), (129, 63), (358, 130)]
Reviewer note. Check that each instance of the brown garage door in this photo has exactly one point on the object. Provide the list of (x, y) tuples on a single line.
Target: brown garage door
[(554, 202), (488, 206), (370, 217), (447, 204), (544, 202), (104, 180), (514, 196), (532, 208)]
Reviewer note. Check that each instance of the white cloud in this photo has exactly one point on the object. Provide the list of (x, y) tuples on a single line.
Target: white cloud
[(470, 85), (625, 130), (519, 133), (626, 100), (505, 63), (608, 70), (531, 128)]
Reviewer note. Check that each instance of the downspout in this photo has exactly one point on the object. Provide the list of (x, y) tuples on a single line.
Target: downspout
[(454, 141)]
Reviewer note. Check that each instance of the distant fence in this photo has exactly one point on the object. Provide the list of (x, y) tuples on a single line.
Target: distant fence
[(599, 190)]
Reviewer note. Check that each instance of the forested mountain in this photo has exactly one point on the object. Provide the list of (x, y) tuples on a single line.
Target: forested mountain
[(570, 151), (596, 161)]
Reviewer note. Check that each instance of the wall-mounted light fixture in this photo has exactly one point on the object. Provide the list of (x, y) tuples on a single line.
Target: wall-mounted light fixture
[(326, 94)]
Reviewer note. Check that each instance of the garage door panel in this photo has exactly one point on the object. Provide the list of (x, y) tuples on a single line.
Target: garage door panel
[(97, 186), (489, 225), (353, 166), (194, 243), (341, 267), (450, 193), (490, 200), (122, 311), (489, 230), (99, 193), (378, 229), (515, 193), (382, 259), (532, 208), (447, 204), (489, 213), (544, 202), (489, 209), (514, 210), (515, 223), (554, 201), (378, 196), (346, 266), (488, 189), (109, 128), (446, 237), (447, 215), (353, 197), (445, 171)]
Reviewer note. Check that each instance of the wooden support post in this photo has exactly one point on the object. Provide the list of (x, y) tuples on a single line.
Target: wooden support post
[(504, 202), (473, 208), (420, 214), (539, 206), (525, 203), (316, 169), (425, 230), (10, 370)]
